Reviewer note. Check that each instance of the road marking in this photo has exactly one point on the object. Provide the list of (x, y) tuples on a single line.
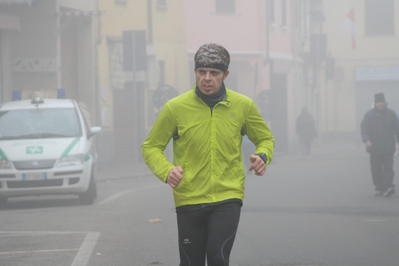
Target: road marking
[(86, 249), (82, 256), (37, 251), (376, 220), (120, 194), (114, 197), (24, 233)]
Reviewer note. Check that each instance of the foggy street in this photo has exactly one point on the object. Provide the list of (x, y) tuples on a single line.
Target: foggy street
[(100, 100), (320, 211)]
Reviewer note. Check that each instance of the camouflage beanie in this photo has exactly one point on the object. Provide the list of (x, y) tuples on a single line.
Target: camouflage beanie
[(212, 55)]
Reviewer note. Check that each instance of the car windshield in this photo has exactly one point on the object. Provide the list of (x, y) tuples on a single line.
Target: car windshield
[(39, 123)]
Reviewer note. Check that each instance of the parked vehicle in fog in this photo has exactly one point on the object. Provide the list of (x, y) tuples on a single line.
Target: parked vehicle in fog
[(46, 147)]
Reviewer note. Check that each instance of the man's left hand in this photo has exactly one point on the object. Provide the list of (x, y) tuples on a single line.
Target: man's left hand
[(257, 164)]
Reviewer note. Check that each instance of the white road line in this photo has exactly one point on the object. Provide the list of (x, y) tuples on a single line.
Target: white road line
[(36, 233), (377, 220), (37, 251), (114, 197), (120, 194), (86, 248)]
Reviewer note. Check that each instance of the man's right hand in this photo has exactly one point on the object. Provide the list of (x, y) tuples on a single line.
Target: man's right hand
[(368, 144), (175, 176)]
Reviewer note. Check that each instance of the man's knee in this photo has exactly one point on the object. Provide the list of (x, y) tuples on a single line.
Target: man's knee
[(217, 260), (217, 257)]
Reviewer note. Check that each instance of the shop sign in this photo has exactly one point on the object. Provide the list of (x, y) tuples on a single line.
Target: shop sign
[(34, 65), (365, 73)]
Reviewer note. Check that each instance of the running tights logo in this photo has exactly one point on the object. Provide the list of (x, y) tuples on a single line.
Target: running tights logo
[(186, 241)]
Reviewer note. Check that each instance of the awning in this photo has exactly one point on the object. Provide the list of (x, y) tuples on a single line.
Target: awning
[(9, 23), (29, 2), (79, 13)]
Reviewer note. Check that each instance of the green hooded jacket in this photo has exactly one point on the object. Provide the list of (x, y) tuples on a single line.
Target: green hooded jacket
[(207, 145)]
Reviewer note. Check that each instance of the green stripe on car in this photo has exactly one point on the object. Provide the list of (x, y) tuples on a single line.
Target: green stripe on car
[(2, 155), (88, 156), (69, 148)]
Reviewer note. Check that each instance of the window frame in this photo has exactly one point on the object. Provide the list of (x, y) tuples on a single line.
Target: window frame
[(382, 22), (225, 6)]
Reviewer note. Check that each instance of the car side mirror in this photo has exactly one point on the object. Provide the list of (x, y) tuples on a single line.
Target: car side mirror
[(94, 131)]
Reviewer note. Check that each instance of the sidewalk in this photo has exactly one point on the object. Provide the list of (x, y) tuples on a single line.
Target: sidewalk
[(120, 170)]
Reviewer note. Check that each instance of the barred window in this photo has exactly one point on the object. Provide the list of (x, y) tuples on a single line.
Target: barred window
[(270, 11), (117, 74), (379, 17), (284, 13), (161, 4), (225, 6)]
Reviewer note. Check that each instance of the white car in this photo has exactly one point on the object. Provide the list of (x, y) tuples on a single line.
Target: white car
[(46, 148)]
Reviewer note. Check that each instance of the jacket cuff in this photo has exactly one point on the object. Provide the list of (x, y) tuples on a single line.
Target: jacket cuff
[(263, 157)]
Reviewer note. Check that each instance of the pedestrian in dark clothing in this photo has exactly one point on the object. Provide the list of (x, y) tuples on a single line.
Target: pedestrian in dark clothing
[(379, 127), (306, 130)]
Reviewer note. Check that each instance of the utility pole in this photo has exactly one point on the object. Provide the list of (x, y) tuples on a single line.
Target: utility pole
[(318, 50)]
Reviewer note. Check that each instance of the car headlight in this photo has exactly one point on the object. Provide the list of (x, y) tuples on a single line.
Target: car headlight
[(5, 164), (74, 159)]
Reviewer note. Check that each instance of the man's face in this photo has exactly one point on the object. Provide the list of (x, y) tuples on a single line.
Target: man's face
[(209, 80), (380, 105)]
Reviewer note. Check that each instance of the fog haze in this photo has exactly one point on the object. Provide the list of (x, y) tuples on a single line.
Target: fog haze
[(124, 59)]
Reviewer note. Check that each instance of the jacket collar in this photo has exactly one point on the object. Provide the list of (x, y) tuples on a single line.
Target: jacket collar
[(212, 100)]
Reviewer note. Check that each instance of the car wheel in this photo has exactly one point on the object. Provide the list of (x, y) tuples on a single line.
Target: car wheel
[(87, 197)]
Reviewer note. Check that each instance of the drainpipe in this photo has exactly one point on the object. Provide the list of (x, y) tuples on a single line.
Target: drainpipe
[(267, 57), (149, 21), (97, 89), (58, 44)]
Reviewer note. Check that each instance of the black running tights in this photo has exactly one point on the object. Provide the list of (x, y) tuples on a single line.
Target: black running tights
[(208, 233)]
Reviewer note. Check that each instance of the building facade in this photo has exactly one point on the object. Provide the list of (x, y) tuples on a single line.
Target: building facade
[(362, 43), (266, 43), (50, 47), (141, 55), (113, 56)]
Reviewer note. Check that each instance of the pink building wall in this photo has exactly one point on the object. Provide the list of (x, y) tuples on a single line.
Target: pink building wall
[(242, 33), (239, 31)]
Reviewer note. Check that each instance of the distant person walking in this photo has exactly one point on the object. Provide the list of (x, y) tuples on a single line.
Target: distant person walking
[(306, 131), (379, 127)]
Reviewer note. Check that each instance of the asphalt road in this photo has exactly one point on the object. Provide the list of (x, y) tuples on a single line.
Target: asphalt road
[(302, 212)]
